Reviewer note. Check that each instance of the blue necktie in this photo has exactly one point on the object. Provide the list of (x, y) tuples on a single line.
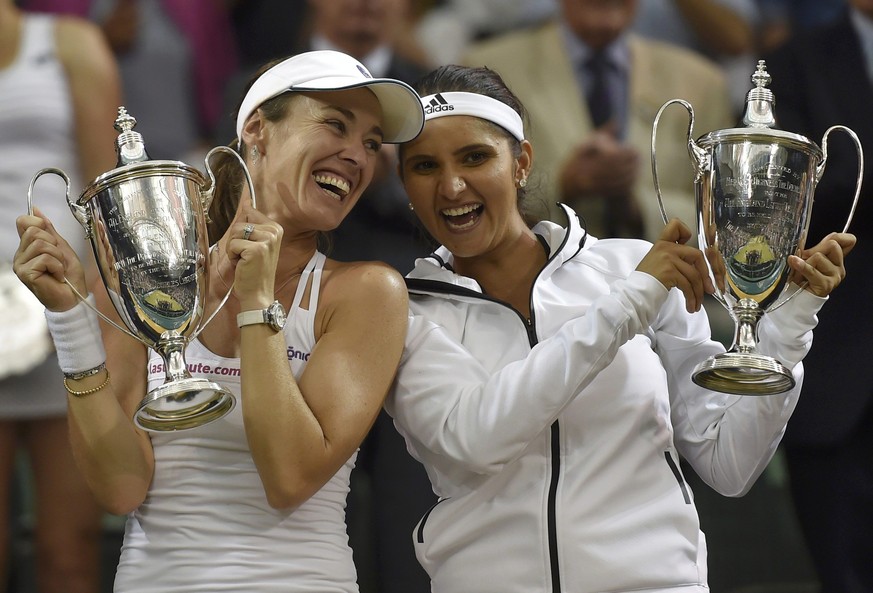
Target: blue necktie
[(599, 102)]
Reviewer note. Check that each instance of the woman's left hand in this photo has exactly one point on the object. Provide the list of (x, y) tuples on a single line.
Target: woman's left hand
[(822, 265)]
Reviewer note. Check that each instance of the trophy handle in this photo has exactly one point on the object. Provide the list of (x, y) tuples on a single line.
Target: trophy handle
[(210, 192), (206, 200), (84, 217), (819, 171), (40, 173), (699, 157)]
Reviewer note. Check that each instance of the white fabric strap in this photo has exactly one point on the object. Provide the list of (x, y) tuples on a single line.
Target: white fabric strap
[(476, 105), (77, 338)]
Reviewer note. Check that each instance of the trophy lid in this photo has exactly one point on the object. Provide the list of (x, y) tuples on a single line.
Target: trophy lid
[(760, 120)]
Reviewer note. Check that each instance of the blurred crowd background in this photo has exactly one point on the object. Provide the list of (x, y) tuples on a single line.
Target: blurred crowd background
[(184, 63)]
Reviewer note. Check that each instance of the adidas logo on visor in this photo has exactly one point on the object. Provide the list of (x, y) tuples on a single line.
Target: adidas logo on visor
[(438, 103)]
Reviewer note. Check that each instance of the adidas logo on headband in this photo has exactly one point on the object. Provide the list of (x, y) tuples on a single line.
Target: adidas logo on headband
[(438, 103), (476, 105)]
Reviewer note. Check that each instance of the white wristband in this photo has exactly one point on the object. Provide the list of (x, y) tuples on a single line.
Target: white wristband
[(77, 338)]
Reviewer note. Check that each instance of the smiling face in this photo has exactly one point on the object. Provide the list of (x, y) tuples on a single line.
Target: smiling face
[(315, 162), (461, 177)]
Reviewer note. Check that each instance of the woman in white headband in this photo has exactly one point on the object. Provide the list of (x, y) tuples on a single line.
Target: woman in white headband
[(547, 383), (253, 501)]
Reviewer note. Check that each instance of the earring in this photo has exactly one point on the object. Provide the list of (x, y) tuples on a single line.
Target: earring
[(522, 183), (411, 207), (255, 154)]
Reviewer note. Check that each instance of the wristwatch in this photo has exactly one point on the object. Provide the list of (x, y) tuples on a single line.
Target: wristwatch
[(274, 316)]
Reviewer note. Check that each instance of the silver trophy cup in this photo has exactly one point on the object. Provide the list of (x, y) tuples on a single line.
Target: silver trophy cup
[(146, 222), (754, 188)]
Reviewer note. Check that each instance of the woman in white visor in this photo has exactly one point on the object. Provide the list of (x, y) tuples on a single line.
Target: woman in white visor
[(253, 501)]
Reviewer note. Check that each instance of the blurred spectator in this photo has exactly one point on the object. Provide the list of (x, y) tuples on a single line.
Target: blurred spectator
[(586, 66), (448, 27), (723, 30), (59, 90), (782, 18), (716, 28), (822, 78), (175, 58), (267, 30)]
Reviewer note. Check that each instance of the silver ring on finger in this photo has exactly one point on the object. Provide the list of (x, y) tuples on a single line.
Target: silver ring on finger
[(248, 230)]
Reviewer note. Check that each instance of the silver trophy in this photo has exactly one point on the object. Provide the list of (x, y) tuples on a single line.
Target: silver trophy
[(754, 188), (146, 222)]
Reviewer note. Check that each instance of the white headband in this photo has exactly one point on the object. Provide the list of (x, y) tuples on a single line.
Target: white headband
[(482, 106)]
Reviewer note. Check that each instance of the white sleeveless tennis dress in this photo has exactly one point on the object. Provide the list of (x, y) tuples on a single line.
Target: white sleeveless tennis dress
[(206, 526)]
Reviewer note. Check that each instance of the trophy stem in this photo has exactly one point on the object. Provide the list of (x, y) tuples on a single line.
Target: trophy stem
[(172, 349), (742, 370), (746, 314), (182, 401)]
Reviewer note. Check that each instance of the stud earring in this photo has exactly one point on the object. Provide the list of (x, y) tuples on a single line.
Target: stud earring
[(522, 183)]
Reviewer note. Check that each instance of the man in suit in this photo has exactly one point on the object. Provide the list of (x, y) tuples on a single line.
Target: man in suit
[(597, 159), (822, 78)]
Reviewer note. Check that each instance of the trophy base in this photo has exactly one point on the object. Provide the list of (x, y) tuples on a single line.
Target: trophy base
[(743, 374), (183, 404)]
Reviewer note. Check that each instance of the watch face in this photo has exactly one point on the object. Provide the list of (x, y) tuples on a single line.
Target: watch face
[(276, 315)]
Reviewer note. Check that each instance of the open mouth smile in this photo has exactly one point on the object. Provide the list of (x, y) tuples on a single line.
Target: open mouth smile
[(462, 217), (334, 186)]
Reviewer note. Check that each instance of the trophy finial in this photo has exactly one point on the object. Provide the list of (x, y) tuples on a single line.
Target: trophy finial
[(124, 122), (129, 145), (760, 100), (761, 77)]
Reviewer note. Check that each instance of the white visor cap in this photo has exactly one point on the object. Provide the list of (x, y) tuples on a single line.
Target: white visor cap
[(326, 70)]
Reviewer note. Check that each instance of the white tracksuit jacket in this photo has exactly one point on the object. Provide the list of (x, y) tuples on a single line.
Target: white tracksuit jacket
[(554, 446)]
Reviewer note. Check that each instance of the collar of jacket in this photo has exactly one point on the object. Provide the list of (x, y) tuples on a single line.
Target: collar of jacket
[(564, 243)]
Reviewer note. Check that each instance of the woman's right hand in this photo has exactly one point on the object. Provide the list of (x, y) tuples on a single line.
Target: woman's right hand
[(44, 259), (254, 255), (676, 264)]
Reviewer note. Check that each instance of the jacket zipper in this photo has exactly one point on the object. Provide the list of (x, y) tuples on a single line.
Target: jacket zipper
[(555, 458), (554, 429)]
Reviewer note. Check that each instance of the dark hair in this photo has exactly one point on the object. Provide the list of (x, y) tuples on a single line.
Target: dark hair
[(483, 81)]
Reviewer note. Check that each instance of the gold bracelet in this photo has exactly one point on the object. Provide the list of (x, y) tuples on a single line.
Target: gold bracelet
[(85, 392)]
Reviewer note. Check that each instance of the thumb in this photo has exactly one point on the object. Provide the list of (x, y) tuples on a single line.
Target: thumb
[(675, 231)]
